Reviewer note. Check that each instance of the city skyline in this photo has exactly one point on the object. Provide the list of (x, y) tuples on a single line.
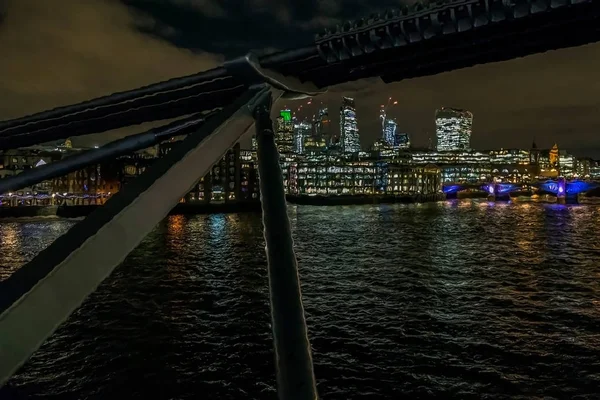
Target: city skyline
[(307, 111), (514, 101)]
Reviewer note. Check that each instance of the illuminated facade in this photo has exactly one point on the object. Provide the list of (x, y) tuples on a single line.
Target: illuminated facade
[(567, 164), (349, 138), (382, 149), (453, 129), (334, 177), (302, 131), (465, 173), (314, 146), (510, 156), (449, 157), (389, 131), (284, 132), (410, 180), (401, 140), (222, 183)]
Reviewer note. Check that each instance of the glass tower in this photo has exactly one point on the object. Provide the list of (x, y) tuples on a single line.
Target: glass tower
[(350, 140), (302, 131), (453, 129), (284, 133)]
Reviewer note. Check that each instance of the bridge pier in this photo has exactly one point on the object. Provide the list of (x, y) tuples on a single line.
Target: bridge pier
[(494, 193), (561, 195)]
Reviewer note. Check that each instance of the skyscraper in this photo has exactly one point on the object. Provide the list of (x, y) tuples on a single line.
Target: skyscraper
[(389, 131), (322, 127), (401, 140), (453, 129), (349, 138), (302, 131), (284, 132)]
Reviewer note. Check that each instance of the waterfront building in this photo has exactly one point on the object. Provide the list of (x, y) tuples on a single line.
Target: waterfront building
[(329, 176), (222, 184), (453, 129), (421, 157), (249, 184), (583, 167), (567, 164), (465, 173), (89, 185), (595, 169), (404, 179), (512, 173), (349, 137), (510, 156), (93, 184)]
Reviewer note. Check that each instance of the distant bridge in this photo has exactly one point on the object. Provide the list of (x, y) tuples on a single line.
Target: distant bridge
[(561, 188), (225, 102)]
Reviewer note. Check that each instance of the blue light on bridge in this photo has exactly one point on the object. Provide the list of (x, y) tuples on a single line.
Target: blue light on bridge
[(451, 188), (491, 189), (573, 187)]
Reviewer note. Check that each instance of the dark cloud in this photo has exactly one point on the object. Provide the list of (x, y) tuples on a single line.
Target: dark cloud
[(56, 53), (61, 52)]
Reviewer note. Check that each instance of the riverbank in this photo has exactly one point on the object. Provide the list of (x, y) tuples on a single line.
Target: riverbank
[(357, 200), (78, 211), (82, 211)]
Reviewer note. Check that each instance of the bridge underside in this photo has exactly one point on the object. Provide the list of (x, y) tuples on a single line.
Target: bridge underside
[(395, 46)]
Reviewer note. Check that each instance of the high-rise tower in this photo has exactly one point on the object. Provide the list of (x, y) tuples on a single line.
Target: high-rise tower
[(349, 138), (302, 131), (453, 129), (322, 127), (284, 132)]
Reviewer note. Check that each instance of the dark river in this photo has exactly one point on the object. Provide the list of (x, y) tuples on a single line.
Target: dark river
[(454, 300)]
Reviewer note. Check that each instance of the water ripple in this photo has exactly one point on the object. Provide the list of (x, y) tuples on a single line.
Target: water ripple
[(456, 300)]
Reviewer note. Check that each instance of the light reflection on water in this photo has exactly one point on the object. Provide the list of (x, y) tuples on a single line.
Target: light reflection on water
[(461, 299)]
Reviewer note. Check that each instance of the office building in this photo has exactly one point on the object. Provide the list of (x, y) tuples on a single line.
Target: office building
[(349, 137), (453, 129)]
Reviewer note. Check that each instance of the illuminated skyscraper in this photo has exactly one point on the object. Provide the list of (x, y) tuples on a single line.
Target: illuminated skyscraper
[(302, 131), (349, 138), (453, 129), (389, 131), (401, 140), (284, 132)]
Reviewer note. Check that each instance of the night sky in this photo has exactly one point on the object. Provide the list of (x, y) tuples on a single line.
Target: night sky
[(59, 52)]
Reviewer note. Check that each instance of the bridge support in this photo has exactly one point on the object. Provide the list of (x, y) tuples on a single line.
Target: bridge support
[(39, 296), (295, 376), (494, 193), (561, 195)]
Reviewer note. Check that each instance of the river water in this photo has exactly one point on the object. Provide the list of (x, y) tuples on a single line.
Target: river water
[(464, 299)]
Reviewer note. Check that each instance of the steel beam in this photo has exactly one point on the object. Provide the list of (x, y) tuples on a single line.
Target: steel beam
[(295, 375), (39, 296)]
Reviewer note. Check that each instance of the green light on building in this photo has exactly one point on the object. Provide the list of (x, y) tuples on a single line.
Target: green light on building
[(286, 115)]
